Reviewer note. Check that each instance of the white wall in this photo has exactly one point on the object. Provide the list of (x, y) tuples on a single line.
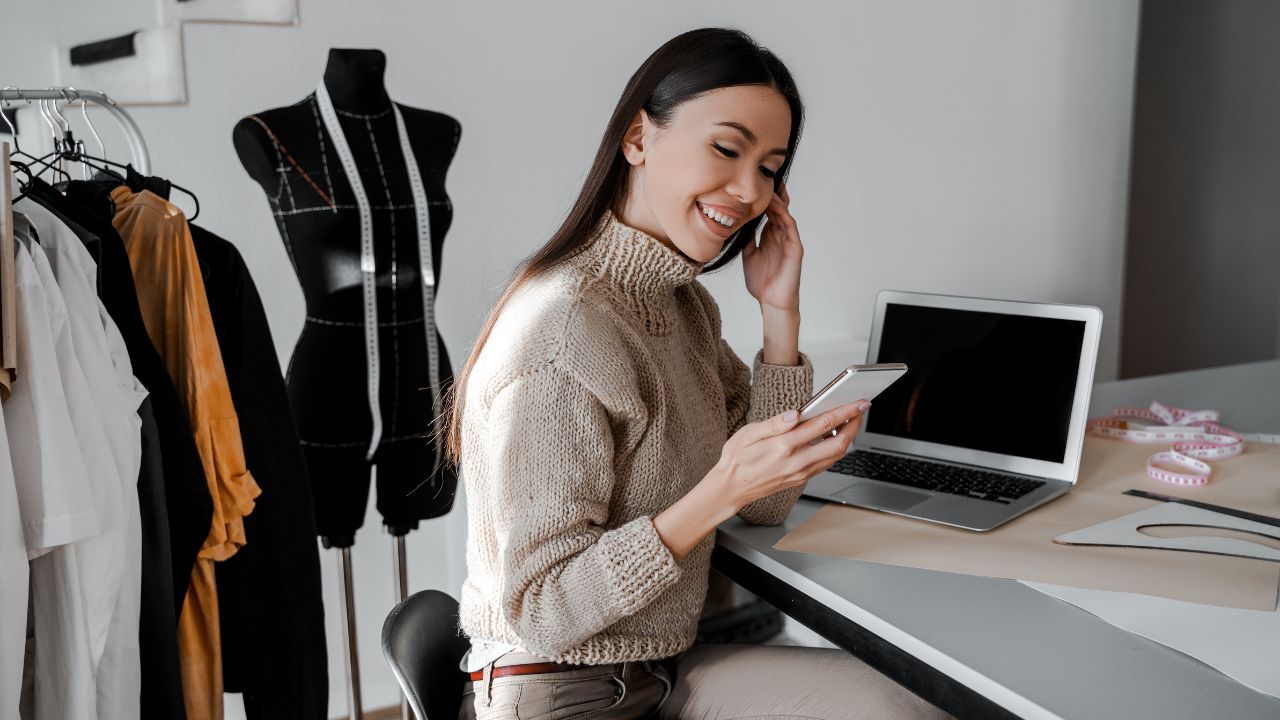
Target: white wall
[(976, 148)]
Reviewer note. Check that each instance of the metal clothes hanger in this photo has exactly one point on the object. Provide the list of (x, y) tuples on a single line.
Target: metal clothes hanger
[(49, 161), (92, 161), (77, 153), (67, 147), (4, 103), (102, 149), (77, 150), (17, 150)]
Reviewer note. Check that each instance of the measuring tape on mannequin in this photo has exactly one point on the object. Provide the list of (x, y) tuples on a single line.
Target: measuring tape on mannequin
[(368, 269), (1196, 436)]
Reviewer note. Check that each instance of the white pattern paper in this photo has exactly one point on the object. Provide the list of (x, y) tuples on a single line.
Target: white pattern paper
[(1241, 644)]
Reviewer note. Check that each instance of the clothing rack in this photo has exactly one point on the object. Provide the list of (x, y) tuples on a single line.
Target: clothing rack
[(137, 146)]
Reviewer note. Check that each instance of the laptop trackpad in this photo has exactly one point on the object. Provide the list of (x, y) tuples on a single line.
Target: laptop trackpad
[(880, 496)]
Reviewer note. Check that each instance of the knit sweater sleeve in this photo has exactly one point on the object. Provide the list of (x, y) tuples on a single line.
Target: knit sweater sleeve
[(762, 393), (565, 575)]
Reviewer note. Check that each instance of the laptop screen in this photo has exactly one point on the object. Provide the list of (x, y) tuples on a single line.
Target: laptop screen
[(979, 380)]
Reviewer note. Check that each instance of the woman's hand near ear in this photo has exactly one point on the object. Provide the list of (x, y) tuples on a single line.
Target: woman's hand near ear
[(772, 271)]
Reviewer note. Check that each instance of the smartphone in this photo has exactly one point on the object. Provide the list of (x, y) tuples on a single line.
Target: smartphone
[(854, 383)]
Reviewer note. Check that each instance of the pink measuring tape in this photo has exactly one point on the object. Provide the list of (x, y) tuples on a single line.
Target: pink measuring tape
[(1196, 436)]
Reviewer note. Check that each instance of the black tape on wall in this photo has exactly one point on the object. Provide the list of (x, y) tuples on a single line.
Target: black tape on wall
[(104, 50)]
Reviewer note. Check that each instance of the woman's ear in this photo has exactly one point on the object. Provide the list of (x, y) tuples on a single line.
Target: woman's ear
[(633, 140)]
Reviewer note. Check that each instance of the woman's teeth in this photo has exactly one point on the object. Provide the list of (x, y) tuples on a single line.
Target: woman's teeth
[(721, 219)]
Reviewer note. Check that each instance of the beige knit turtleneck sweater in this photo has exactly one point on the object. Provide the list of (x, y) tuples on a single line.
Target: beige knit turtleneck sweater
[(603, 395)]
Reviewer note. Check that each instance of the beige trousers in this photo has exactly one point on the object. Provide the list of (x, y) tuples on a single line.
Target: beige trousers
[(709, 682)]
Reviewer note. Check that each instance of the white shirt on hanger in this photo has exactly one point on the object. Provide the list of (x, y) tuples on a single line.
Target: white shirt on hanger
[(13, 588), (53, 484), (56, 495), (116, 394)]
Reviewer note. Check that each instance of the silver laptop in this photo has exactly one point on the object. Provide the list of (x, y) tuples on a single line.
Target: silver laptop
[(989, 420)]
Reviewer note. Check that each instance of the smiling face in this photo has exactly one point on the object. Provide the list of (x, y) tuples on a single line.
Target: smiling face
[(717, 156)]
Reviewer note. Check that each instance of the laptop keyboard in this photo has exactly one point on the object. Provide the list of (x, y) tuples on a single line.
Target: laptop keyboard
[(939, 477)]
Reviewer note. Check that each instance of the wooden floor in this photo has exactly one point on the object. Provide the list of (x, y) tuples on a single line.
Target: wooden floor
[(391, 712)]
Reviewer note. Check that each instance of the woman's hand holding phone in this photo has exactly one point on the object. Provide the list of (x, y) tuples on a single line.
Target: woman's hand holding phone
[(782, 452), (762, 458)]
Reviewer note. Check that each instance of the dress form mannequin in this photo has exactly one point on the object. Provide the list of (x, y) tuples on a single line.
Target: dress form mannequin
[(328, 370), (292, 155)]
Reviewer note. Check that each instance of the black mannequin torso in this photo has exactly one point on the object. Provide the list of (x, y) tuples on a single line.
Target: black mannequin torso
[(289, 152)]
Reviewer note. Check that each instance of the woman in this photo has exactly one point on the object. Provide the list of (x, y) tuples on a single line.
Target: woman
[(593, 419)]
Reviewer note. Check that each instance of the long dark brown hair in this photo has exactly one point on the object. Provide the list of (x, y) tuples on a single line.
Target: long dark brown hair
[(685, 67)]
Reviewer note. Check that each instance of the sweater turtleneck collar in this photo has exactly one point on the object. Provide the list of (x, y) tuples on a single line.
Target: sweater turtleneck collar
[(640, 272)]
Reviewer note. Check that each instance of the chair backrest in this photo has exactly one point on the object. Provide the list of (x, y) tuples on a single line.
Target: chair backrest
[(421, 643)]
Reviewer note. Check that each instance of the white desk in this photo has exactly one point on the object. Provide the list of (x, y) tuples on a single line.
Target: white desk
[(984, 647)]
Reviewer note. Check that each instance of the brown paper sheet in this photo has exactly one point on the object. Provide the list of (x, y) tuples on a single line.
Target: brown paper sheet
[(1023, 549)]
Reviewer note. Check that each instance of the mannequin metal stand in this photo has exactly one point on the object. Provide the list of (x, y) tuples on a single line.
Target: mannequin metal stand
[(354, 705), (402, 593)]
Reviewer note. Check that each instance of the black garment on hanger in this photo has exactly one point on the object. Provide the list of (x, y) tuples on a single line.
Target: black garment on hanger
[(158, 625), (174, 501), (269, 594), (138, 182)]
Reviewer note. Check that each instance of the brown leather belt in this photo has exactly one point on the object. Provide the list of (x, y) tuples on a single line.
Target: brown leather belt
[(526, 669)]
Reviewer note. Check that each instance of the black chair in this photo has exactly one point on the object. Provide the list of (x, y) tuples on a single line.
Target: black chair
[(421, 643)]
